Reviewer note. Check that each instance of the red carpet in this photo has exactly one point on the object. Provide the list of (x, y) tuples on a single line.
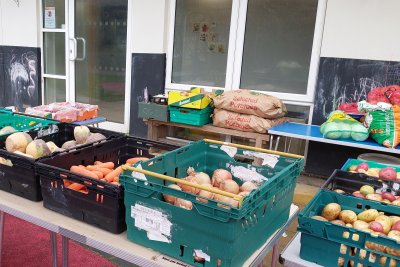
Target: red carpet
[(25, 244)]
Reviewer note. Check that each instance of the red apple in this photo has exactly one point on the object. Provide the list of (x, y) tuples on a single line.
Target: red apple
[(396, 226), (389, 196), (358, 194), (362, 166), (376, 226)]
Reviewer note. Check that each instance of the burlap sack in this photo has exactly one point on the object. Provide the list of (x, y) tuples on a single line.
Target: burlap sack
[(252, 103), (243, 122)]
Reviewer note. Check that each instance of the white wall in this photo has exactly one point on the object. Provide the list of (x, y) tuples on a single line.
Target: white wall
[(149, 26), (19, 26), (362, 29)]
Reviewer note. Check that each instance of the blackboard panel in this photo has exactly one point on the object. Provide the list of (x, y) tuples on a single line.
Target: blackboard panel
[(148, 70), (342, 80), (20, 76)]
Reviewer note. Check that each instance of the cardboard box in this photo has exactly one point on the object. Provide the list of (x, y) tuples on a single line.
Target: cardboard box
[(195, 99)]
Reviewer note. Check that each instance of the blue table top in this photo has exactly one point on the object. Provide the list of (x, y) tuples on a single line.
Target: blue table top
[(91, 121), (312, 133)]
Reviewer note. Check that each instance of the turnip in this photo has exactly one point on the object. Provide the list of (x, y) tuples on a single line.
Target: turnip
[(81, 134)]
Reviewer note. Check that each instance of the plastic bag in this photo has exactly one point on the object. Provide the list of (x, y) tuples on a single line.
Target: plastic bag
[(341, 126), (383, 121), (389, 94)]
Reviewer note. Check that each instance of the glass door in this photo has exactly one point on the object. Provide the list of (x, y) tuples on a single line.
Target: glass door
[(97, 40)]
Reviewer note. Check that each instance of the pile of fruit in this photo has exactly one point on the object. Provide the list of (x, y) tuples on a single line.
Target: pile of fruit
[(21, 143), (384, 173), (372, 221), (368, 192), (221, 179), (105, 171)]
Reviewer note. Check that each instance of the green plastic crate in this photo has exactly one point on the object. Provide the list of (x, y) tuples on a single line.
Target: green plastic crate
[(326, 243), (196, 117), (21, 122), (371, 164), (229, 235), (153, 111)]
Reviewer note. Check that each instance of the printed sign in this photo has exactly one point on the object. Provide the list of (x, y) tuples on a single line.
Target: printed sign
[(50, 17)]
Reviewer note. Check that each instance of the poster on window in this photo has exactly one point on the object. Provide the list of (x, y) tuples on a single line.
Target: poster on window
[(50, 17)]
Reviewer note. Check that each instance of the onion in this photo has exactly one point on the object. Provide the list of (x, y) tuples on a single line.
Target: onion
[(227, 200), (201, 177), (220, 175), (171, 199), (229, 186), (188, 188), (205, 193), (248, 186), (182, 203)]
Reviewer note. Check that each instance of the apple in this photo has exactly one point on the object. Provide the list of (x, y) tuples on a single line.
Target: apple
[(358, 194), (366, 190), (389, 196), (396, 226), (376, 227)]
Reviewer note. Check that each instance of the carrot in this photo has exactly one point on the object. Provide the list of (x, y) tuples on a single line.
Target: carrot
[(99, 174), (136, 159), (83, 171), (111, 176), (76, 186), (67, 182), (105, 171), (108, 165)]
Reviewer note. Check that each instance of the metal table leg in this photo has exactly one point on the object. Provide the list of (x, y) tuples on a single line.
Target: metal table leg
[(277, 143), (53, 239), (271, 139), (65, 251), (275, 255), (1, 233)]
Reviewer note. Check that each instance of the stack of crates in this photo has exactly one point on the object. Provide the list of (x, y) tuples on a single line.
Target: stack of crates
[(193, 107), (332, 244)]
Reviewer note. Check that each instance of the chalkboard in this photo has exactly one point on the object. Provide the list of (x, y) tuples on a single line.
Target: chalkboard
[(148, 70), (342, 80), (20, 76)]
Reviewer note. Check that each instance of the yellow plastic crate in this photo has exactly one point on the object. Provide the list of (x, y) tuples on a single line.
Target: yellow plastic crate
[(194, 99)]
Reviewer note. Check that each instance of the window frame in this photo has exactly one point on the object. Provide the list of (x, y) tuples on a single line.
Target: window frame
[(235, 53)]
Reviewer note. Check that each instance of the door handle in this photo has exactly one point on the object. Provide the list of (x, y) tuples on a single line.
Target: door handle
[(83, 50), (72, 51)]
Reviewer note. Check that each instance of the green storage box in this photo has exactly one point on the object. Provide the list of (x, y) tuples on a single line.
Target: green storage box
[(227, 236), (327, 244), (21, 122), (196, 117), (153, 111)]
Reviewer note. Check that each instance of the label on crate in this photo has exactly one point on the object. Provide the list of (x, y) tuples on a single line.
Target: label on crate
[(247, 174), (268, 159), (51, 129), (230, 150), (139, 175), (154, 222), (201, 254)]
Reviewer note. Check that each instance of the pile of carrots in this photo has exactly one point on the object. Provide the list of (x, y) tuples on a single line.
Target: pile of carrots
[(105, 171)]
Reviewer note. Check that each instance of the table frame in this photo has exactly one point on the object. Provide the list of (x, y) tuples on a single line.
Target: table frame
[(91, 236)]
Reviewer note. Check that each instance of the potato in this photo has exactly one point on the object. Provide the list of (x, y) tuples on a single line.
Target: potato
[(383, 259), (340, 222), (375, 197), (352, 168), (349, 225), (385, 221), (319, 218), (394, 219), (368, 215), (375, 246), (331, 211), (343, 249), (360, 225), (362, 255), (348, 216), (396, 236)]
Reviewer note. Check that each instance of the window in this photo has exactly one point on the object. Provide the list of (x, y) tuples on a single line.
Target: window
[(262, 45)]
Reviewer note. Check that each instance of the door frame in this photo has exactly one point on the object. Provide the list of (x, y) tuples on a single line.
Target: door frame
[(70, 65)]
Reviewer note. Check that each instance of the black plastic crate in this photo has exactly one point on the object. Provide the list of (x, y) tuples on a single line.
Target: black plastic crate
[(21, 179), (350, 182), (103, 205)]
